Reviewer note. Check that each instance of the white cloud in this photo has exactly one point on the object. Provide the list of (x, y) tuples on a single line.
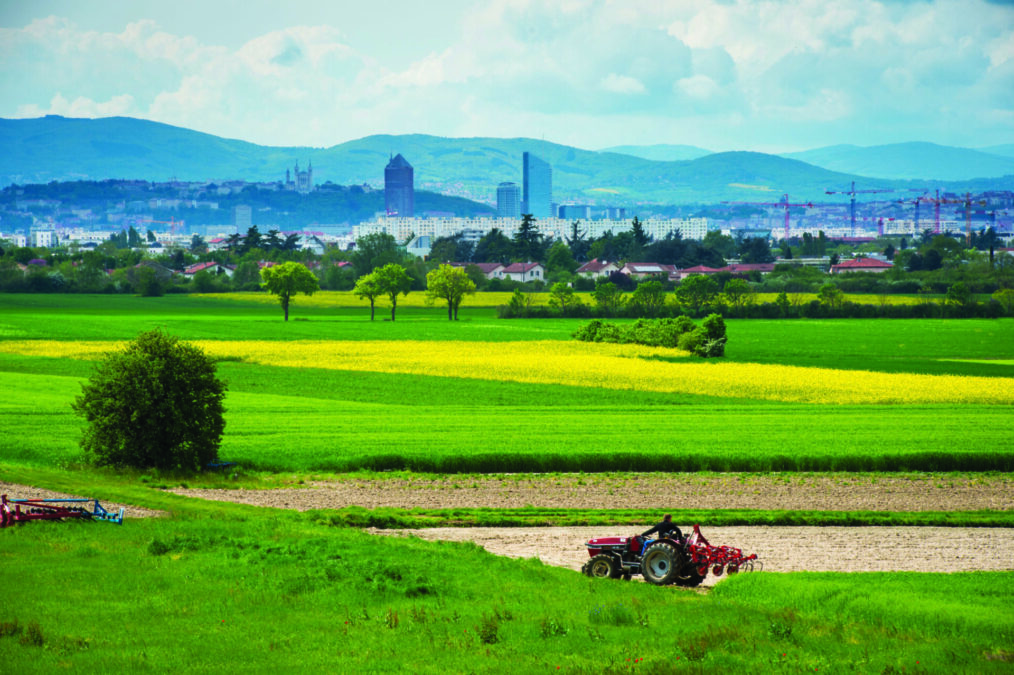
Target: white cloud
[(621, 84), (695, 71)]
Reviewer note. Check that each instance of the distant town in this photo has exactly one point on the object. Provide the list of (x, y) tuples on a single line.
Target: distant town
[(170, 214)]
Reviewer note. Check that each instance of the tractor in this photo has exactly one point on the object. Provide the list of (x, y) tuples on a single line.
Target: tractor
[(664, 562)]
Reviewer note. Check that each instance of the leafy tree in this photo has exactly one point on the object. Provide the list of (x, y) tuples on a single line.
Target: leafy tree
[(959, 295), (608, 297), (148, 284), (373, 251), (288, 279), (561, 295), (722, 244), (494, 247), (695, 292), (450, 284), (247, 275), (528, 244), (560, 259), (133, 238), (291, 242), (830, 295), (738, 293), (444, 249), (649, 296), (253, 239), (1005, 296), (273, 242), (366, 287), (576, 242), (520, 303), (755, 250), (621, 280), (392, 279), (637, 230), (157, 404)]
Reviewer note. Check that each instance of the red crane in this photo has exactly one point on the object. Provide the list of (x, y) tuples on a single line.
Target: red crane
[(852, 205), (784, 202)]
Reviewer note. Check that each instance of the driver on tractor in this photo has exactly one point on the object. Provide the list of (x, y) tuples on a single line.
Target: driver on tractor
[(666, 529)]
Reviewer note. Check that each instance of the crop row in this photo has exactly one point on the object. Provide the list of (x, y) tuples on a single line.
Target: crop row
[(595, 365)]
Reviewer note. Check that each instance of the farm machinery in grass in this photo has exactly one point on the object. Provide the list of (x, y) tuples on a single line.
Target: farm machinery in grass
[(665, 562), (15, 511)]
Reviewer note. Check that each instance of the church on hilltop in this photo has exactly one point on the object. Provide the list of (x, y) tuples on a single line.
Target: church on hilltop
[(303, 183)]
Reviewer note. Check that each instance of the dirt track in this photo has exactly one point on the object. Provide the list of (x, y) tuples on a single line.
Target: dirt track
[(916, 492), (782, 549)]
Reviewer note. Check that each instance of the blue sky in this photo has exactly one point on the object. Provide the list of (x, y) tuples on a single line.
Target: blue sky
[(720, 74)]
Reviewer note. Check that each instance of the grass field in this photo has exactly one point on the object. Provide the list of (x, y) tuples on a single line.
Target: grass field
[(228, 588)]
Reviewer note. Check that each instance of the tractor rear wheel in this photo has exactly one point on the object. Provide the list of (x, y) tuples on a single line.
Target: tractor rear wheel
[(602, 566), (660, 564), (689, 577)]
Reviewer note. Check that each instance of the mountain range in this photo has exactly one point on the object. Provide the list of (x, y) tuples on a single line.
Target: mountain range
[(57, 148)]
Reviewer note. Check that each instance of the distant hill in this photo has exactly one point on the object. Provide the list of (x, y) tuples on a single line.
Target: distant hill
[(57, 148), (1002, 150), (660, 152), (907, 161)]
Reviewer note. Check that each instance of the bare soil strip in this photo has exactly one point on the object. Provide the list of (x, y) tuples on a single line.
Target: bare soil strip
[(822, 492), (781, 549), (14, 491)]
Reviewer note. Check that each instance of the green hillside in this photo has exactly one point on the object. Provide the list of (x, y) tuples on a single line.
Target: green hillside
[(56, 148)]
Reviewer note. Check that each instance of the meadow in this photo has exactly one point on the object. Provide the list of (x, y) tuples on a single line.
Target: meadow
[(227, 588)]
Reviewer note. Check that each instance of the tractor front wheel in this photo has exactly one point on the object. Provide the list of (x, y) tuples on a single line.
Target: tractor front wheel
[(660, 564), (602, 566)]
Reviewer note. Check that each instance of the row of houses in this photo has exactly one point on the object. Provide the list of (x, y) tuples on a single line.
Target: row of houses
[(529, 271)]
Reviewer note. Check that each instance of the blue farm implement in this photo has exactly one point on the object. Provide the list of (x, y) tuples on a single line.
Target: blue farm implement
[(14, 511)]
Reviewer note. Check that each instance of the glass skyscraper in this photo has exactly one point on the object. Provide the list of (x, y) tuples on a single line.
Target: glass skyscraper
[(538, 186), (508, 200), (399, 188)]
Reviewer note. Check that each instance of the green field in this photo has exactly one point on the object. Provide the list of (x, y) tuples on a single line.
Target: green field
[(228, 588)]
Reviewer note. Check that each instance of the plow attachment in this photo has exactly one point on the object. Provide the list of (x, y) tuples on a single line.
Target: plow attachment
[(13, 511), (719, 559)]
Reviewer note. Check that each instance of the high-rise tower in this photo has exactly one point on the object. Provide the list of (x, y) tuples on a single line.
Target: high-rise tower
[(538, 186), (399, 188), (508, 200)]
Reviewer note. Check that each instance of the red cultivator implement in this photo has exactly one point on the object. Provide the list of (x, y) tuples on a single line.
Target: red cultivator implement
[(664, 562), (13, 511), (718, 558)]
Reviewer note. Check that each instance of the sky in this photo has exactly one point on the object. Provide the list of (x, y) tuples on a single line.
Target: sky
[(717, 74)]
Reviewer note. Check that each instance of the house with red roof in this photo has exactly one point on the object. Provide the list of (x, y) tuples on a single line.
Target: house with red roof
[(526, 271), (696, 269), (861, 265), (489, 269), (640, 270), (211, 267), (597, 268)]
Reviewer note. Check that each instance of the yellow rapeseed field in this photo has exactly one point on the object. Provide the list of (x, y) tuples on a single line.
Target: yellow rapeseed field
[(585, 365), (337, 299)]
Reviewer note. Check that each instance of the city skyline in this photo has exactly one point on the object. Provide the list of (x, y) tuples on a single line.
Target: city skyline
[(762, 76)]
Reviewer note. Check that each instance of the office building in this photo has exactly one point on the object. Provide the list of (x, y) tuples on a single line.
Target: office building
[(399, 188), (508, 200), (538, 186)]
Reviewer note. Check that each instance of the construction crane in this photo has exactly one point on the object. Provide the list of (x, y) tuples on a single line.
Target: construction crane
[(852, 204), (967, 201), (784, 203)]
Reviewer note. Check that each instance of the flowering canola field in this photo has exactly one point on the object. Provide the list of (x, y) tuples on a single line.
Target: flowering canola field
[(624, 367)]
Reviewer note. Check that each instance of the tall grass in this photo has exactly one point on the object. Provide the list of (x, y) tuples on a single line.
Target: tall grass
[(272, 592)]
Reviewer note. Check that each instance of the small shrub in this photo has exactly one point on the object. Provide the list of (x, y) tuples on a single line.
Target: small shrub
[(32, 636), (488, 629), (10, 628), (550, 627)]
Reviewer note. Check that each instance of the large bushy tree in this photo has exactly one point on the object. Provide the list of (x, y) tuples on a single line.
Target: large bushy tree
[(287, 280), (450, 284), (156, 404)]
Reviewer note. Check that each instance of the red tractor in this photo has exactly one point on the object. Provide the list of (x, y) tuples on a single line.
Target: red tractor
[(664, 562)]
